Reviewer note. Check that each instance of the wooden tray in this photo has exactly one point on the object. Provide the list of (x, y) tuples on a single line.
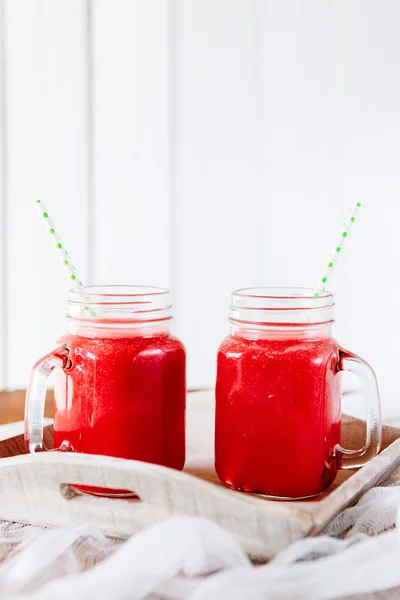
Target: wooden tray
[(36, 488)]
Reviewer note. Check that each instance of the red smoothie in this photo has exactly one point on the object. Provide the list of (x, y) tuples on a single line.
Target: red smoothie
[(124, 396), (277, 414)]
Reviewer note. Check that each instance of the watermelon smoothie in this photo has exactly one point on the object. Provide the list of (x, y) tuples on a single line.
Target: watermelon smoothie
[(277, 415), (123, 396), (278, 396), (120, 385)]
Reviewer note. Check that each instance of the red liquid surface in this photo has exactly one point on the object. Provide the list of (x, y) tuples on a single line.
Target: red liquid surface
[(125, 397), (278, 409)]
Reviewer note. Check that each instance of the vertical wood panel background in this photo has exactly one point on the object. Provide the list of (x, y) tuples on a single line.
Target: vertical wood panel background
[(203, 145), (370, 131), (130, 142), (3, 192), (46, 148), (218, 175)]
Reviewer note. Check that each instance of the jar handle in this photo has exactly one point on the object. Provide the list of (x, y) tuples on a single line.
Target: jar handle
[(352, 459), (36, 395)]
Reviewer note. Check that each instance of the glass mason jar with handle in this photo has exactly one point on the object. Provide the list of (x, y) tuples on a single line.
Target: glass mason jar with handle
[(120, 386), (278, 396)]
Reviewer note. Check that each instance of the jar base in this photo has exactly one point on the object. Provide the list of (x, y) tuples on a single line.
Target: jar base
[(286, 498), (276, 497)]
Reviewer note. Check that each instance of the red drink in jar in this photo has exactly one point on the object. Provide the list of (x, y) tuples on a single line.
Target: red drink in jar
[(278, 396), (121, 388)]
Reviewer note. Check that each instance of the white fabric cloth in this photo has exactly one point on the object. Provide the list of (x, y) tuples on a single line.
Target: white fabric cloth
[(194, 559)]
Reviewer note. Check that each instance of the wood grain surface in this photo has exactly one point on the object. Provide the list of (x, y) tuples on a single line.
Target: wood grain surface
[(12, 406)]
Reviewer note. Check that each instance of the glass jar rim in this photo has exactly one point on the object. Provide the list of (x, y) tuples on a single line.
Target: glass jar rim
[(97, 304), (124, 292), (280, 306), (293, 295)]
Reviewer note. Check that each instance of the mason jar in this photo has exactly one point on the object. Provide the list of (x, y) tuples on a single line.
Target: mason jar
[(278, 395), (120, 384)]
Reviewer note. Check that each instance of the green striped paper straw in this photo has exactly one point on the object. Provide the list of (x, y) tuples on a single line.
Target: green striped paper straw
[(58, 245), (336, 252), (53, 233)]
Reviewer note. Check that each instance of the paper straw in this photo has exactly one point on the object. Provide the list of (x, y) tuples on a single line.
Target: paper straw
[(336, 252), (54, 235), (58, 245)]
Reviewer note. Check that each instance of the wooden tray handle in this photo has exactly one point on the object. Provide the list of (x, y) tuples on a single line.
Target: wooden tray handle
[(36, 488)]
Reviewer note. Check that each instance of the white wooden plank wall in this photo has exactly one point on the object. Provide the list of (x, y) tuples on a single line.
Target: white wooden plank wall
[(371, 134), (46, 147), (131, 144), (203, 145), (218, 242), (3, 188)]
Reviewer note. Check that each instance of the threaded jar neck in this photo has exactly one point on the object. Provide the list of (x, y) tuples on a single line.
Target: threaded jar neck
[(281, 310), (119, 307)]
